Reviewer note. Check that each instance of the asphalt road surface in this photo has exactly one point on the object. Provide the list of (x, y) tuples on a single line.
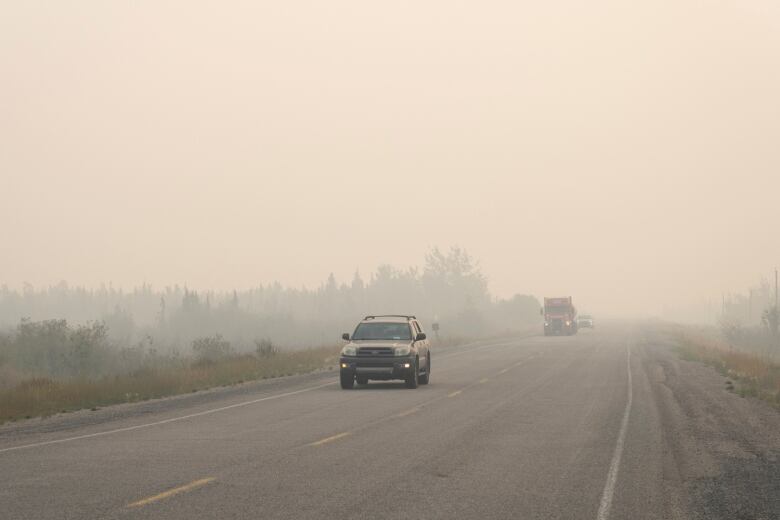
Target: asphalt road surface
[(607, 424)]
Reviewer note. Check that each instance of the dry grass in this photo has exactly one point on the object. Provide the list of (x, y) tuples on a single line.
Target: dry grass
[(757, 374), (43, 396)]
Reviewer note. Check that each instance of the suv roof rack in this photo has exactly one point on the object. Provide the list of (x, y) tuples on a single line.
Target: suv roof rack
[(390, 316)]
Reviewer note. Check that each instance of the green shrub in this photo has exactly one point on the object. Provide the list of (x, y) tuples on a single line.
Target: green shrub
[(265, 348), (211, 348)]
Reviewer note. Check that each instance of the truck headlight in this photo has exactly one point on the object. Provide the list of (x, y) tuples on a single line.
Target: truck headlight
[(403, 351), (349, 351)]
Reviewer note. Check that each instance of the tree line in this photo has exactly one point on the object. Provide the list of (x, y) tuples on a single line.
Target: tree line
[(449, 289)]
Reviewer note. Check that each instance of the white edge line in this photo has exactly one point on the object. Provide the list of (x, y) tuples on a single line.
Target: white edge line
[(165, 421), (609, 487)]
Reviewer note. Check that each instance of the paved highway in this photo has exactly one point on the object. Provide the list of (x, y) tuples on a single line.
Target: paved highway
[(607, 424)]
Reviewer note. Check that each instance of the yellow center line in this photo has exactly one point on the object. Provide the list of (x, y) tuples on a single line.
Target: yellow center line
[(456, 392), (171, 492), (330, 439), (409, 412), (504, 371), (484, 380)]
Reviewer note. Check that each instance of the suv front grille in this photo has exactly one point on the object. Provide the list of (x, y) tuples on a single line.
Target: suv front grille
[(378, 363), (375, 351)]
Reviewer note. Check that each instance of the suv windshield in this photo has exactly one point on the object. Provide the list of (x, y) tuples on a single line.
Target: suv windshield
[(387, 331)]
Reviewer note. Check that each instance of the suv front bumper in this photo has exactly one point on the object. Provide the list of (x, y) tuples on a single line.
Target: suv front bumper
[(382, 368)]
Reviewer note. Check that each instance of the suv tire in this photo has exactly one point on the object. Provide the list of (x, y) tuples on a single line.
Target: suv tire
[(347, 381), (426, 377), (413, 379)]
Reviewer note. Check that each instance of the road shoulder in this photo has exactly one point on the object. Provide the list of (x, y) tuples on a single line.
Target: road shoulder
[(723, 450)]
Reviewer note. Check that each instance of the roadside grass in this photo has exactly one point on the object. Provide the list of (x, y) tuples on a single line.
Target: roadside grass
[(41, 396), (24, 396), (756, 374)]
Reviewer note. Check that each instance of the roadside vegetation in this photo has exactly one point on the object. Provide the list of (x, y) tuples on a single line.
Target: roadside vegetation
[(52, 367), (71, 368), (64, 348), (748, 357)]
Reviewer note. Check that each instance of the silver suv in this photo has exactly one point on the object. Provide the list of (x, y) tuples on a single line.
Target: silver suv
[(384, 348)]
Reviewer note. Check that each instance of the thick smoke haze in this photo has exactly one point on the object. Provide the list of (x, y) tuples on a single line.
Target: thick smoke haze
[(624, 153)]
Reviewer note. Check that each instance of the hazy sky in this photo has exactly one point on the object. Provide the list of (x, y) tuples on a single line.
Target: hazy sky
[(627, 153)]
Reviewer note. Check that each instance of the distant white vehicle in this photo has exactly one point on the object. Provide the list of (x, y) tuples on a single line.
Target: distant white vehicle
[(585, 321)]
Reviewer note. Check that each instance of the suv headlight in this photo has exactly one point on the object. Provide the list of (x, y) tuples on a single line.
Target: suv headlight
[(403, 351), (349, 351)]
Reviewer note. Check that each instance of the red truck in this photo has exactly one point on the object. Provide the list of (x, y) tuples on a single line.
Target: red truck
[(560, 316)]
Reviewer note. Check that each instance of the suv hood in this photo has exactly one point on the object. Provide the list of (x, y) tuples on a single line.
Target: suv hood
[(380, 344)]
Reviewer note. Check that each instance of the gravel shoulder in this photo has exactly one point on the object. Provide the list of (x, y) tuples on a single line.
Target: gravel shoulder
[(722, 451)]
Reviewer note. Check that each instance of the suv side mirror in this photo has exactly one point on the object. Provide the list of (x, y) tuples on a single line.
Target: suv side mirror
[(345, 336), (421, 336)]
